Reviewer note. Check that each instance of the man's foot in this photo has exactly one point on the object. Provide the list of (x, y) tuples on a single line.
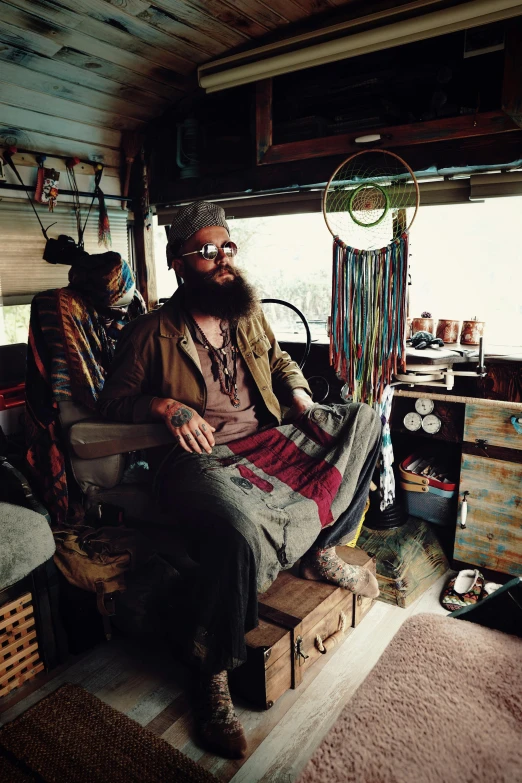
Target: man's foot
[(217, 721), (323, 565)]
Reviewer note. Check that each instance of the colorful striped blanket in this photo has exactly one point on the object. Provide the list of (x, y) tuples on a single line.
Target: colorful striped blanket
[(71, 344), (281, 486)]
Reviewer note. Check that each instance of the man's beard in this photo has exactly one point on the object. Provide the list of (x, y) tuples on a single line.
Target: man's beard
[(229, 301)]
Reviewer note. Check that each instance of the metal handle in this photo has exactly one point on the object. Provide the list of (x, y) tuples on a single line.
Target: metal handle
[(464, 511)]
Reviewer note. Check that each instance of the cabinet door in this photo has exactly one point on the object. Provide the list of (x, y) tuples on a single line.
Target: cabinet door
[(493, 424), (492, 537)]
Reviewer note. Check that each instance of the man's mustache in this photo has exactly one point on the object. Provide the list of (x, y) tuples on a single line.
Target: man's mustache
[(224, 268)]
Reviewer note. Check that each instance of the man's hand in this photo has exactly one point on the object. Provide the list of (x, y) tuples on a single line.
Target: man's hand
[(191, 431), (301, 401)]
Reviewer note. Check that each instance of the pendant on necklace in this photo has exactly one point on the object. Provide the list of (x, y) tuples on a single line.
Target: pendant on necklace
[(226, 371), (235, 402)]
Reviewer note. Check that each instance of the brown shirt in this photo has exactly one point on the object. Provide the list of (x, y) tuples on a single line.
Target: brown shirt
[(230, 423)]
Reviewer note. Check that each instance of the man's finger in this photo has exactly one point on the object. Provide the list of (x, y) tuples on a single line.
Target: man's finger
[(181, 441), (192, 443), (202, 440), (208, 430)]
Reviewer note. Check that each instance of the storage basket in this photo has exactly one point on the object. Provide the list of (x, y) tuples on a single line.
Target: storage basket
[(19, 656), (427, 498)]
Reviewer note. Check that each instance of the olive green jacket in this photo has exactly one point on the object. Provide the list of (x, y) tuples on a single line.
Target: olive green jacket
[(156, 357)]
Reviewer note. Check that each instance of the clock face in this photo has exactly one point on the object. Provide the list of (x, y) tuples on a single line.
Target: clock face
[(412, 422), (424, 406), (431, 424)]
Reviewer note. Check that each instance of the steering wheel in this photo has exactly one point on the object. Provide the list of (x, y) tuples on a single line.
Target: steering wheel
[(305, 323)]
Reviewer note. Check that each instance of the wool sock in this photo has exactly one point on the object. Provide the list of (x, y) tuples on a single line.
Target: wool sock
[(217, 720), (324, 565)]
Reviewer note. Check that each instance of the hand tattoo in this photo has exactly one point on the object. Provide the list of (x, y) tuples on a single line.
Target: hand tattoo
[(197, 433), (203, 427), (182, 416)]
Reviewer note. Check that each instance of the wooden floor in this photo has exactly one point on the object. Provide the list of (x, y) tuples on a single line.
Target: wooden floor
[(152, 689)]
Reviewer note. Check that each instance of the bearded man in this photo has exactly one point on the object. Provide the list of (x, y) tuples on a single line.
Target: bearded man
[(250, 492)]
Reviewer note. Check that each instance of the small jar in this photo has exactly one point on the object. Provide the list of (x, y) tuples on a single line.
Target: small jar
[(423, 325), (448, 331), (471, 332)]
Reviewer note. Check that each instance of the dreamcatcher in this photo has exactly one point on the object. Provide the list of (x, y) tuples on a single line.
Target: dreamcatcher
[(369, 206)]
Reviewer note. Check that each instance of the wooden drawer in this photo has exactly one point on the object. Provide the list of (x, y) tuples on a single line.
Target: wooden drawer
[(493, 534), (492, 424), (19, 656)]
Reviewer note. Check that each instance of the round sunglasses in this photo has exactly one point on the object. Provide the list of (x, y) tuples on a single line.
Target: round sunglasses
[(210, 252)]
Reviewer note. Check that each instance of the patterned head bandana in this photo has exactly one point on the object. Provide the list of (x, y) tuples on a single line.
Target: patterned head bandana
[(190, 219), (105, 282)]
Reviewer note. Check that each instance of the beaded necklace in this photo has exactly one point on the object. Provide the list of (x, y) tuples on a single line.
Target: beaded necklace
[(219, 361)]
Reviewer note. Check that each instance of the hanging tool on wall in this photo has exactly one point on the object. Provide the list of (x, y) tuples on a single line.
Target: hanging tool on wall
[(70, 163), (46, 184), (8, 158), (104, 227), (131, 143)]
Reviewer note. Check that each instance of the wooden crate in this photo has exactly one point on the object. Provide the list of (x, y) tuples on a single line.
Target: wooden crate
[(19, 655), (300, 622)]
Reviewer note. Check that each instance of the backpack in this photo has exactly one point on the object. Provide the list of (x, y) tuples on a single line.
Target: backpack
[(97, 559)]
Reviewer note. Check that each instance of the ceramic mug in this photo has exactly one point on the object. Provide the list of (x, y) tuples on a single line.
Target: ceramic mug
[(448, 331), (471, 332), (422, 325)]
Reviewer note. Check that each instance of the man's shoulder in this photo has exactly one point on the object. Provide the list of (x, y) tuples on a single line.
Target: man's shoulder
[(143, 325)]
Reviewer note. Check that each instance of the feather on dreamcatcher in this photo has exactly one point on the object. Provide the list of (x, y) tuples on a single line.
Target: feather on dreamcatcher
[(369, 205)]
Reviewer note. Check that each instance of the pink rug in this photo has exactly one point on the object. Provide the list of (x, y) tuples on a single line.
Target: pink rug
[(442, 705)]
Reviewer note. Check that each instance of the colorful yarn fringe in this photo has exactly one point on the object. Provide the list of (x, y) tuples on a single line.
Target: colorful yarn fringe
[(367, 342)]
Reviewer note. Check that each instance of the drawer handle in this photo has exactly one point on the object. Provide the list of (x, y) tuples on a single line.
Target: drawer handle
[(323, 645), (464, 511), (516, 421)]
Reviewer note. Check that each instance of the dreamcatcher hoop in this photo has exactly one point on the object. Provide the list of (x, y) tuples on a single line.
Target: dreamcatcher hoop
[(365, 206), (372, 188)]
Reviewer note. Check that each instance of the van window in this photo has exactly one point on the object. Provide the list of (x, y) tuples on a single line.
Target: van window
[(465, 262)]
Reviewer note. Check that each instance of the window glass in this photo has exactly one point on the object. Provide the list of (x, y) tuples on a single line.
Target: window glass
[(165, 277), (466, 262), (14, 324), (288, 257)]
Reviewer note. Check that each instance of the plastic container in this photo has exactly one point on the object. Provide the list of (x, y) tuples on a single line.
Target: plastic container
[(427, 498)]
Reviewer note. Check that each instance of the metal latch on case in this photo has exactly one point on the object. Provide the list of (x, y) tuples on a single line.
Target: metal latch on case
[(298, 649)]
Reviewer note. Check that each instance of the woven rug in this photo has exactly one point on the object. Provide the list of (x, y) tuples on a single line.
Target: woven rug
[(442, 705), (73, 737)]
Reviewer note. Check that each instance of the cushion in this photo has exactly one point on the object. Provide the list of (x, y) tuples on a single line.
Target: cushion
[(27, 542)]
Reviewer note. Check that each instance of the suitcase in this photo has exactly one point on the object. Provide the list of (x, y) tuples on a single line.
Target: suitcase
[(300, 621)]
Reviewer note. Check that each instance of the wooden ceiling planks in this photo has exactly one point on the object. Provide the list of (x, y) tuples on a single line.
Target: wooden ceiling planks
[(91, 36), (225, 14), (74, 75), (195, 19), (76, 94)]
